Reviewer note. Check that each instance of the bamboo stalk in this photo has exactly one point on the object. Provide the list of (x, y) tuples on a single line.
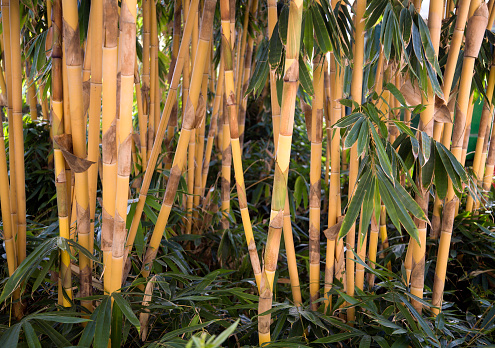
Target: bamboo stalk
[(474, 36), (291, 82), (356, 94), (31, 97), (58, 129), (226, 166), (8, 75), (233, 138), (316, 135), (96, 23), (20, 182), (484, 128), (171, 100), (127, 43), (74, 68), (188, 124), (448, 78)]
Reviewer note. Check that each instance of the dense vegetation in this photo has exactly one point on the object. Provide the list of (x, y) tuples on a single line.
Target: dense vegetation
[(347, 127)]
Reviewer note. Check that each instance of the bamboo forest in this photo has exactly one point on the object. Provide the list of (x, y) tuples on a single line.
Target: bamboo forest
[(246, 173)]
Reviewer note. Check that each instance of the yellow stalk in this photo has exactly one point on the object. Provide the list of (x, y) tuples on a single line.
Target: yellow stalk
[(448, 78), (316, 135), (356, 94), (60, 173), (31, 97), (484, 127), (74, 69), (226, 167), (474, 35), (291, 82), (15, 49), (188, 123), (156, 149), (109, 142), (127, 43)]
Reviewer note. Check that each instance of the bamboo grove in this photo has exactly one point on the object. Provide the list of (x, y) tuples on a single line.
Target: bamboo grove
[(148, 104)]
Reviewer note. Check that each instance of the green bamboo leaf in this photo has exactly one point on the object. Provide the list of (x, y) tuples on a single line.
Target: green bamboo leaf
[(382, 154), (410, 204), (427, 45), (283, 21), (365, 342), (455, 164), (355, 204), (304, 77), (416, 39), (400, 210), (441, 179), (404, 128), (367, 209), (276, 47), (182, 331), (337, 337), (346, 121), (31, 337), (10, 338), (321, 31), (308, 32), (116, 327), (422, 322), (353, 134), (54, 335), (427, 171), (454, 177), (28, 266), (396, 93), (363, 139), (406, 25), (126, 310), (89, 331), (103, 323), (373, 13)]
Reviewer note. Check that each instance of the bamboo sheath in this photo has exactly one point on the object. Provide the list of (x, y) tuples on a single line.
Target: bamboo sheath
[(16, 69), (484, 128), (287, 224), (188, 124), (291, 82), (74, 69), (127, 61), (426, 126), (474, 34), (57, 119), (156, 149), (356, 94), (448, 78)]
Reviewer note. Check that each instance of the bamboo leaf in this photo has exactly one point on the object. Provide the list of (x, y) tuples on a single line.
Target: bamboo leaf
[(367, 209), (441, 179), (363, 139), (353, 134), (396, 93), (54, 335), (355, 204), (304, 77), (103, 323), (31, 337), (426, 145), (308, 32), (89, 331), (10, 338), (276, 47), (116, 327), (321, 31), (448, 166), (283, 21), (382, 154), (337, 337), (126, 310)]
